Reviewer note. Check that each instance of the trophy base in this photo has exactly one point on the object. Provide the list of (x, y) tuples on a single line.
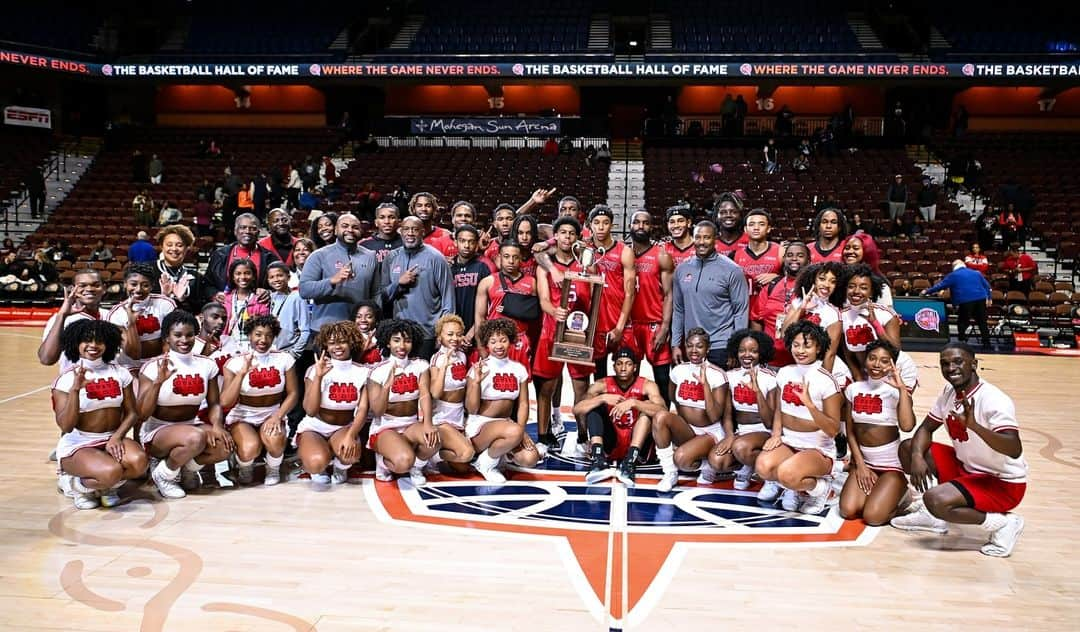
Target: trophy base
[(572, 353)]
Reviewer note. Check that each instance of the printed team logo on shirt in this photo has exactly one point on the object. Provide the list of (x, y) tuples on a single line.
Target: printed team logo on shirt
[(147, 324), (688, 277), (104, 388), (744, 395), (406, 383), (957, 428), (867, 404), (188, 385), (343, 393), (268, 377), (859, 335), (504, 382), (792, 394), (459, 371), (812, 317), (691, 391)]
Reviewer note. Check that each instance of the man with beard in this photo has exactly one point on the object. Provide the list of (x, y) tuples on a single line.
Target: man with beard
[(501, 221), (760, 259), (462, 213), (650, 315), (468, 270), (768, 307), (709, 291), (386, 238), (338, 275), (424, 206), (246, 230), (729, 221), (280, 240), (615, 262), (982, 476), (417, 284), (680, 246)]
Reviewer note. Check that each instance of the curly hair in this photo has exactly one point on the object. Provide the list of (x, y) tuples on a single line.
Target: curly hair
[(387, 329), (862, 270), (178, 317), (804, 284), (243, 262), (534, 230), (503, 326), (807, 331), (697, 331), (262, 321), (881, 343), (343, 330), (766, 350), (91, 330), (448, 319), (181, 231), (841, 220), (143, 269)]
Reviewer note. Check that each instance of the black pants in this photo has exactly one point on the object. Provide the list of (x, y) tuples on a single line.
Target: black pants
[(599, 424), (972, 311), (718, 357), (427, 349), (37, 203)]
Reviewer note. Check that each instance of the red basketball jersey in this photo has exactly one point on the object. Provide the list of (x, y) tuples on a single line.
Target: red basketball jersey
[(679, 255), (580, 294), (724, 247), (648, 304), (820, 256), (610, 267), (636, 391), (767, 262)]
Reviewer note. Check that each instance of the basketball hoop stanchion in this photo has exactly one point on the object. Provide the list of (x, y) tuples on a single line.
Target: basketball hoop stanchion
[(574, 336)]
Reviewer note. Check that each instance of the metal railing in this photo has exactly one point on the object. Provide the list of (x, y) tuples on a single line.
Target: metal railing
[(766, 125), (54, 166)]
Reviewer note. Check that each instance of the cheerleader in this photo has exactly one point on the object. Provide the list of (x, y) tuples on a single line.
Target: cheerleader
[(335, 401), (753, 401), (863, 320), (212, 319), (879, 407), (817, 298), (399, 395), (366, 314), (172, 388), (449, 376), (701, 426), (94, 405), (145, 311), (800, 453), (497, 400), (260, 389)]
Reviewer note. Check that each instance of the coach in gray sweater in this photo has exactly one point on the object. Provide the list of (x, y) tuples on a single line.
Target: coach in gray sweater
[(711, 292), (417, 284), (339, 275)]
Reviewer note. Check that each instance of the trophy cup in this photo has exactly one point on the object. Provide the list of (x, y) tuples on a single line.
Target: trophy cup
[(574, 336)]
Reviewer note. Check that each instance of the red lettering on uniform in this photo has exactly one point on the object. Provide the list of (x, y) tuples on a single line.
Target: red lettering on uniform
[(792, 394), (957, 428), (692, 391), (105, 388), (504, 382), (221, 360), (188, 385), (744, 395), (343, 393), (147, 324), (812, 317), (459, 371), (405, 383), (268, 377), (867, 404), (859, 335)]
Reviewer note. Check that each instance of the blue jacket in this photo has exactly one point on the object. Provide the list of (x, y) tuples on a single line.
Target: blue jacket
[(141, 251), (965, 286)]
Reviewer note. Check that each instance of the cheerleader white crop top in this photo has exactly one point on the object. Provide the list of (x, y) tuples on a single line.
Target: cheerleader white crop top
[(743, 397), (858, 332), (104, 388), (503, 379), (689, 391), (267, 374), (188, 385), (873, 402), (340, 388), (457, 370), (406, 386), (789, 380)]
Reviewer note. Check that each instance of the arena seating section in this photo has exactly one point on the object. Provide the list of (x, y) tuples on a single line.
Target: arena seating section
[(22, 149), (286, 30), (71, 28), (975, 30), (492, 26)]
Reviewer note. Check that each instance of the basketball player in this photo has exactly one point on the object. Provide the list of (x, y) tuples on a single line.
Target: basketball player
[(335, 401), (524, 231), (399, 395), (260, 389), (615, 262), (649, 333), (863, 320), (449, 376), (140, 315), (502, 218), (982, 477), (680, 221), (386, 237), (753, 401), (879, 407), (94, 405), (618, 412), (729, 222), (462, 213), (768, 306), (830, 232), (497, 400), (760, 259), (701, 421), (547, 373), (425, 205), (81, 301), (172, 389), (491, 294), (800, 453)]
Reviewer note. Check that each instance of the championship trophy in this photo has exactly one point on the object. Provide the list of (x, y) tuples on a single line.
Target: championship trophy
[(574, 336)]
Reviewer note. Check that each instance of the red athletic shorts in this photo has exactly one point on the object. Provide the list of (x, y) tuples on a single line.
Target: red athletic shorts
[(983, 491), (549, 369), (519, 352), (639, 337)]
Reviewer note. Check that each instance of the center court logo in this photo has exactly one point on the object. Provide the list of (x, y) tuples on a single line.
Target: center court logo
[(621, 547)]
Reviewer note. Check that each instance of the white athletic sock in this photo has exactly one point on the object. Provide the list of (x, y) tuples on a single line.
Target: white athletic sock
[(338, 465), (274, 462), (485, 461), (79, 486), (436, 458), (245, 463), (165, 471), (192, 466), (666, 456), (820, 488), (419, 463), (994, 521), (706, 467)]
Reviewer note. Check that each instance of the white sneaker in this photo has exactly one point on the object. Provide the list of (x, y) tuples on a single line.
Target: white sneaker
[(382, 473), (668, 482), (557, 427), (742, 478), (417, 477), (790, 500), (110, 497), (62, 485), (190, 480), (921, 520), (707, 475), (1004, 539), (340, 476), (81, 499), (489, 468), (52, 455), (813, 505), (273, 476), (245, 474), (168, 488), (838, 481), (769, 492), (320, 479)]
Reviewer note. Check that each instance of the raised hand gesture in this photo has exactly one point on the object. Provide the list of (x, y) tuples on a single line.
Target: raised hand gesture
[(165, 370)]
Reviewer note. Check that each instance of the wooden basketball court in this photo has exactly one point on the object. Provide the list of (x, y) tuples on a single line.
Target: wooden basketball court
[(545, 553)]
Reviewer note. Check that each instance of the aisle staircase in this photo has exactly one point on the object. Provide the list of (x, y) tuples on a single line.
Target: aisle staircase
[(63, 168), (626, 182)]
